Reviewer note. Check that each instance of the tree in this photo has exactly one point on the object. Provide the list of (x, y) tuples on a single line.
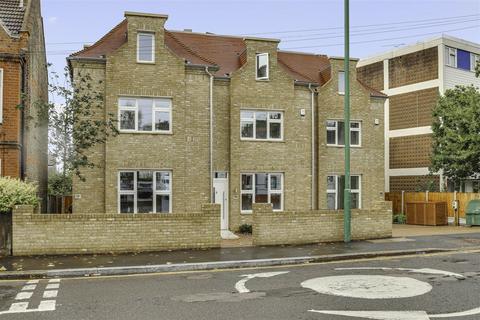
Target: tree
[(77, 122), (456, 133)]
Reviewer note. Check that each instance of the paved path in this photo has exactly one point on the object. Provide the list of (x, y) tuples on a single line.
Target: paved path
[(426, 285)]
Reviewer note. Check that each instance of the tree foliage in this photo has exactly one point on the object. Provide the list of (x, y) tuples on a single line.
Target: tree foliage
[(456, 133), (14, 192), (59, 184), (77, 120)]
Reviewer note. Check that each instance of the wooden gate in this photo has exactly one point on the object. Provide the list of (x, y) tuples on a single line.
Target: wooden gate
[(5, 234)]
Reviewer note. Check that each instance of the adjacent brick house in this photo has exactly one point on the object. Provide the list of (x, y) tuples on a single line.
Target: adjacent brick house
[(23, 81), (210, 118), (414, 77)]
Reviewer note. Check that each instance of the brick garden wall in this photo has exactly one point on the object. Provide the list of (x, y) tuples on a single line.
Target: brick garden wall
[(302, 227), (36, 234)]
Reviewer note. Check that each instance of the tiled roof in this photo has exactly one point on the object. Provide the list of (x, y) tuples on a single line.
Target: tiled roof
[(225, 52), (11, 16)]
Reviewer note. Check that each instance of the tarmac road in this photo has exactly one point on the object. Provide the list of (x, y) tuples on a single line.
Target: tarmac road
[(267, 293)]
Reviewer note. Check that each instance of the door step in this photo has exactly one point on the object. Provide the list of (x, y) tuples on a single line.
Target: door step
[(228, 235)]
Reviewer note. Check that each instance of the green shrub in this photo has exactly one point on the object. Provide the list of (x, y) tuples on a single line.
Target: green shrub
[(399, 218), (245, 229), (60, 185), (15, 192)]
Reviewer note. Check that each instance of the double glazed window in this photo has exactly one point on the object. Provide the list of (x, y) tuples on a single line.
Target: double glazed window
[(144, 191), (145, 47), (461, 59), (336, 133), (451, 57), (341, 82), (145, 115), (261, 64), (261, 125), (335, 192), (262, 188)]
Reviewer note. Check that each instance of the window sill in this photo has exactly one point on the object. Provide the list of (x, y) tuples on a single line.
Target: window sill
[(146, 62), (262, 140), (145, 132), (341, 93), (340, 146), (262, 80), (457, 68), (246, 212)]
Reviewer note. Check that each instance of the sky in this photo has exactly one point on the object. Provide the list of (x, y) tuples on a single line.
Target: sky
[(301, 25)]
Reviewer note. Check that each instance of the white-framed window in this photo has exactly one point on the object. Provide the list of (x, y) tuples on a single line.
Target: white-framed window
[(144, 191), (335, 192), (475, 59), (1, 95), (261, 188), (262, 66), (451, 57), (336, 133), (145, 47), (341, 82), (261, 125), (145, 115)]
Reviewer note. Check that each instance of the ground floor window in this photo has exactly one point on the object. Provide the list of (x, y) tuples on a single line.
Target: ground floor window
[(144, 191), (261, 188), (335, 191)]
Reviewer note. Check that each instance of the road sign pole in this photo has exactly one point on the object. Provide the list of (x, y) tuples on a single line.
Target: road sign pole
[(347, 195)]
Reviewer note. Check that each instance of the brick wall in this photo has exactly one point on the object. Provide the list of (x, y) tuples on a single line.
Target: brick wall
[(412, 109), (35, 234), (412, 183), (301, 227), (413, 68), (410, 151), (372, 75)]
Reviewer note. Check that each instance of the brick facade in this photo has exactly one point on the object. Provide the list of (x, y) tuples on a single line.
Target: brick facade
[(410, 151), (372, 75), (413, 183), (412, 109), (413, 68), (185, 152), (24, 158)]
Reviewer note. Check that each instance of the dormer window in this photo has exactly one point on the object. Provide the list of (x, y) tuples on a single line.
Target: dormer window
[(145, 47), (262, 66)]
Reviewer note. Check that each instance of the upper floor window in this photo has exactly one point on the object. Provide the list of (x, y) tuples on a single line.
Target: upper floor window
[(475, 60), (146, 47), (144, 191), (1, 95), (341, 82), (262, 188), (145, 115), (451, 57), (261, 125), (336, 133), (262, 66)]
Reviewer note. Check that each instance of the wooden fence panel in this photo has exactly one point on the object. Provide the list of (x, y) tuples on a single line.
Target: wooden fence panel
[(462, 197)]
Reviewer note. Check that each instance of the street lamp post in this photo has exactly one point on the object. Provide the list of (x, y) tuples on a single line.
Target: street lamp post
[(347, 197)]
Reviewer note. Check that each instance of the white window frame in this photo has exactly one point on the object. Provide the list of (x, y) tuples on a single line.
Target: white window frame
[(359, 130), (340, 73), (134, 192), (142, 33), (254, 119), (269, 190), (154, 109), (474, 58), (1, 95), (448, 52), (336, 190), (268, 66)]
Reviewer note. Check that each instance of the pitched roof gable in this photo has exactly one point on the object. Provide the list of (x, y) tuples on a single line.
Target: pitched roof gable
[(11, 16)]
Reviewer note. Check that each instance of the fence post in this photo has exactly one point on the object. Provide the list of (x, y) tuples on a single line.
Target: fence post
[(455, 217), (426, 196), (403, 199)]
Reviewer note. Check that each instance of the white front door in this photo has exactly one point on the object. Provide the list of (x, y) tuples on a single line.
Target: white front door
[(220, 187)]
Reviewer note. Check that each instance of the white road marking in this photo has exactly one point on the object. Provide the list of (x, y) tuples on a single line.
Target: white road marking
[(457, 314), (368, 287), (29, 287), (50, 294), (379, 315), (52, 286), (240, 285), (424, 271), (18, 307), (32, 281), (24, 295), (54, 281), (47, 305)]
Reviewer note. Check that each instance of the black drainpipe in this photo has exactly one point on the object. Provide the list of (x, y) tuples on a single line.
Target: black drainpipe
[(23, 85)]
